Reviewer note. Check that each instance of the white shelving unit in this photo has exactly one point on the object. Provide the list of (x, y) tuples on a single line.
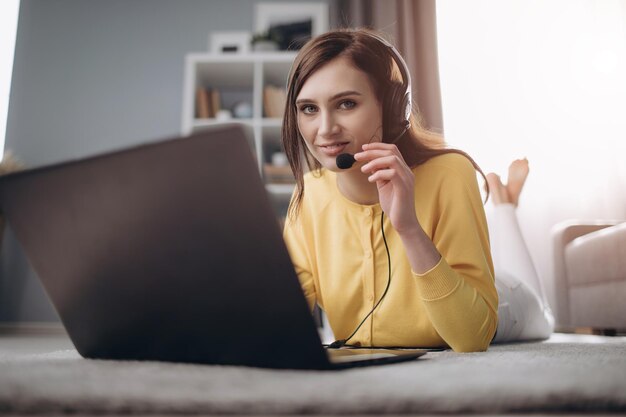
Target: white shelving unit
[(244, 77)]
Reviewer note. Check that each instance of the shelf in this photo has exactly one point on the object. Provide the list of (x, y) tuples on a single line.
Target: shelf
[(265, 122), (242, 78), (200, 123), (271, 122), (285, 190)]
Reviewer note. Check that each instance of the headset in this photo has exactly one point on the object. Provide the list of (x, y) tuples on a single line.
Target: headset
[(399, 100), (399, 97)]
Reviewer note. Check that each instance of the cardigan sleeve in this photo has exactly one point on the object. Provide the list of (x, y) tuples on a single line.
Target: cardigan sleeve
[(459, 292), (294, 237)]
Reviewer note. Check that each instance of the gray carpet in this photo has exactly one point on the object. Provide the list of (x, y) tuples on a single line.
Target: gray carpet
[(567, 373)]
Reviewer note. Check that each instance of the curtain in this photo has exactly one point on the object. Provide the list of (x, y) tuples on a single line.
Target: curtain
[(411, 26)]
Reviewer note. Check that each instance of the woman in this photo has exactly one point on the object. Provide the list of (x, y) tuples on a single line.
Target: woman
[(395, 249)]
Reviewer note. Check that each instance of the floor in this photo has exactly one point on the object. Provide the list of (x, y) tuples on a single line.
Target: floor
[(16, 345), (12, 346)]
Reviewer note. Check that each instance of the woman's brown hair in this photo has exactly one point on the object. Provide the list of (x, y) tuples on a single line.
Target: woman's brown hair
[(417, 145)]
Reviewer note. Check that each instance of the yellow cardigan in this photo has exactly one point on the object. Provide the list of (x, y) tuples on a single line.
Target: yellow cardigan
[(339, 255)]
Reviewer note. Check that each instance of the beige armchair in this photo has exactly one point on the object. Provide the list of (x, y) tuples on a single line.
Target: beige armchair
[(589, 287)]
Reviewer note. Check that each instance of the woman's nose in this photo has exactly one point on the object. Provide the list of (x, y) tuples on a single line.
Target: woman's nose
[(328, 124)]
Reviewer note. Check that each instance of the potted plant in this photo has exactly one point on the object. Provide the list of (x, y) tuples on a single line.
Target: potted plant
[(265, 41)]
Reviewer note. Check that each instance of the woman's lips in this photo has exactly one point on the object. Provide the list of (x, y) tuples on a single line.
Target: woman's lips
[(333, 149)]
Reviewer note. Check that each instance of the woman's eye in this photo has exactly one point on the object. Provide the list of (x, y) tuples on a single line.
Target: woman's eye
[(347, 104), (307, 109)]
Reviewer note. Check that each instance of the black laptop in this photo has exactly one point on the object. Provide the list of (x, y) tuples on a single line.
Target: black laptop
[(170, 251)]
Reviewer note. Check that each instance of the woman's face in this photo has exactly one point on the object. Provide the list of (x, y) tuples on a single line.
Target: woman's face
[(338, 112)]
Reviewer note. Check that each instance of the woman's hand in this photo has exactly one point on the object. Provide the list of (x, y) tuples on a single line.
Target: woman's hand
[(385, 166)]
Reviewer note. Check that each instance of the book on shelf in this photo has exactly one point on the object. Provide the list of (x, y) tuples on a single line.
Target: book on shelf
[(216, 101), (202, 104), (274, 99), (208, 102)]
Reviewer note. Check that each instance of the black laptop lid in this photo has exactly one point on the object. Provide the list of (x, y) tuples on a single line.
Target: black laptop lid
[(167, 251)]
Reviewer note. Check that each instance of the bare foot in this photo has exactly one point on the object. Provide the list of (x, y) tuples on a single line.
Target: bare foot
[(497, 190), (518, 171)]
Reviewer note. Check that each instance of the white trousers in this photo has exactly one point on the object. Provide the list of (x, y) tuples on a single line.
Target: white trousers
[(523, 312)]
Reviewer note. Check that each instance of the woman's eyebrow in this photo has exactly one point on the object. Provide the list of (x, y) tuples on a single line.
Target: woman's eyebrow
[(334, 97)]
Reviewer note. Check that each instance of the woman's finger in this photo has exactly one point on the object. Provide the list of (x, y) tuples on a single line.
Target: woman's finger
[(379, 145), (386, 175), (366, 156), (376, 150), (382, 162)]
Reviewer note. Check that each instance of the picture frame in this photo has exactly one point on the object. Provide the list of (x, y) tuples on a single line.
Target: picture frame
[(229, 42), (291, 24)]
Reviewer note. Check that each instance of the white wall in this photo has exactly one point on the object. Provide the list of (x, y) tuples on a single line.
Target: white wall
[(545, 79)]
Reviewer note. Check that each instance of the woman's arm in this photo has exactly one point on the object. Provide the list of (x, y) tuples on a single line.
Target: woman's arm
[(451, 263), (459, 293)]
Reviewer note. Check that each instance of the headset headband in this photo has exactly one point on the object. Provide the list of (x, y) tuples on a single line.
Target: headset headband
[(404, 71)]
